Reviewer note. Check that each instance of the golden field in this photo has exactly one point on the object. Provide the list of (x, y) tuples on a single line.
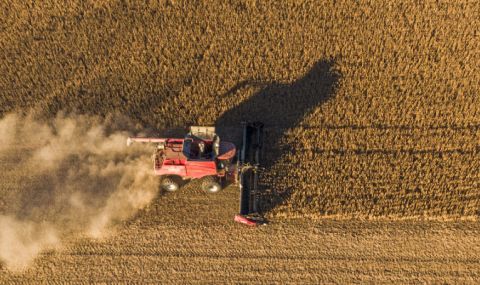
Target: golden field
[(371, 111)]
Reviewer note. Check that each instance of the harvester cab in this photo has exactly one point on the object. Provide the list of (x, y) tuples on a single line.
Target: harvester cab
[(202, 142), (202, 155)]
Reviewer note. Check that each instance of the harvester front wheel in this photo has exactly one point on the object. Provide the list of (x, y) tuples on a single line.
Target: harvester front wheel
[(169, 184), (210, 184)]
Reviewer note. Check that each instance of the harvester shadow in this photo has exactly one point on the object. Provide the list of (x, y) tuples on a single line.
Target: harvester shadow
[(281, 107)]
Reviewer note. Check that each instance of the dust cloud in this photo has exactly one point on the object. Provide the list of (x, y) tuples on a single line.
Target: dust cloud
[(73, 175)]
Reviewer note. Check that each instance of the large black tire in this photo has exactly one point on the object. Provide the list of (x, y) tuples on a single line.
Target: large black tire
[(211, 184), (170, 184)]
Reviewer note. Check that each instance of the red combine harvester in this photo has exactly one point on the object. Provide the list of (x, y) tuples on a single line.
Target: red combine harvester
[(201, 155)]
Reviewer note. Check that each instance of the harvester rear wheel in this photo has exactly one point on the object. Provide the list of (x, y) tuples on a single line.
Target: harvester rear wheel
[(169, 184), (210, 184)]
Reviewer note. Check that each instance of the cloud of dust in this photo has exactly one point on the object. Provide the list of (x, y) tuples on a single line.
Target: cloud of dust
[(73, 175)]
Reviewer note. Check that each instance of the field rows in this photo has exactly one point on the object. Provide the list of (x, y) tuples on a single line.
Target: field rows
[(384, 138), (378, 184), (323, 252)]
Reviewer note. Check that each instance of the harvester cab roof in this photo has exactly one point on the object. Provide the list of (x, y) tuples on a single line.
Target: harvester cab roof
[(202, 132)]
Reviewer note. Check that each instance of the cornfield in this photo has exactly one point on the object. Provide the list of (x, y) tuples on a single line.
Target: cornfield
[(371, 107)]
